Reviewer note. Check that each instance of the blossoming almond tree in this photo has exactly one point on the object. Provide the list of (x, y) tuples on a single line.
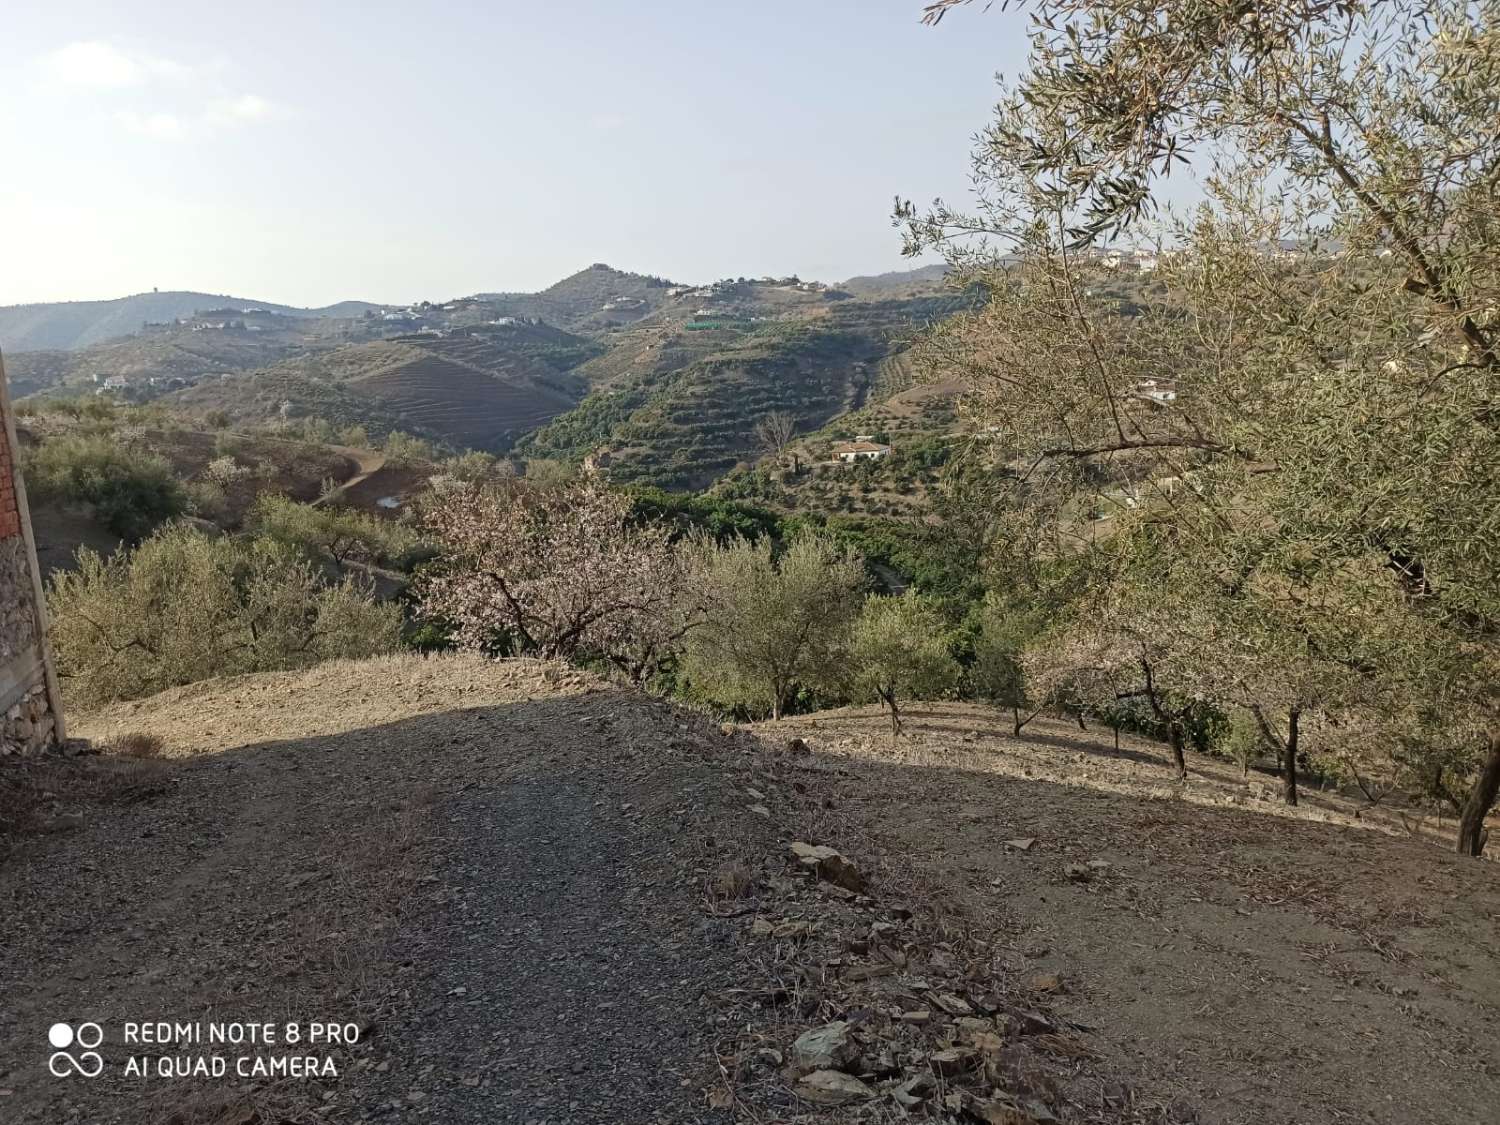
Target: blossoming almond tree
[(555, 572)]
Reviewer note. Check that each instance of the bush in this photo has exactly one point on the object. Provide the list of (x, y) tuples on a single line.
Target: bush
[(130, 490), (184, 607), (326, 532)]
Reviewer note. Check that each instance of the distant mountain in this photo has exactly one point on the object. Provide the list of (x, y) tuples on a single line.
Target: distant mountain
[(590, 300), (898, 283), (77, 324)]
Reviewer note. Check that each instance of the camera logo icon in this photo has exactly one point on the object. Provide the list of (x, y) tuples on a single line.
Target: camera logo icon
[(87, 1063)]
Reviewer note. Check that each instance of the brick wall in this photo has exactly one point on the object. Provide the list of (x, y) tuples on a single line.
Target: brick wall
[(10, 516), (29, 717)]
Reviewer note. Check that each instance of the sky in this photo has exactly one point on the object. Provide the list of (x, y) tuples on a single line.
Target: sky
[(309, 152)]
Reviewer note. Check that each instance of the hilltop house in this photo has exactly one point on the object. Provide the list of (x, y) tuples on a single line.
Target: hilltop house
[(1157, 391), (861, 450)]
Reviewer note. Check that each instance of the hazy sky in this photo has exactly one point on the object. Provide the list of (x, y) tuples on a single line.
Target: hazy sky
[(310, 151)]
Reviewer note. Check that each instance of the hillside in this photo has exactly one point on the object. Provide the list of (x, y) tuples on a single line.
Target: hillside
[(261, 464), (477, 390), (589, 301), (919, 422), (898, 283), (77, 324), (151, 363), (683, 427)]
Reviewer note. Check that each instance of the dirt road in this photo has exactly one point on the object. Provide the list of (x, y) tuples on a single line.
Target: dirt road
[(530, 896), (496, 874)]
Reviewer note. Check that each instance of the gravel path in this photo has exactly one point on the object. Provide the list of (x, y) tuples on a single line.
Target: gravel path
[(497, 870), (563, 976)]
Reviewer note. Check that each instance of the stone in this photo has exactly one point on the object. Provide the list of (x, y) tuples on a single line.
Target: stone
[(1045, 982), (953, 1005), (759, 810), (794, 931), (912, 1092), (953, 1061), (998, 1113), (832, 1087), (917, 1016), (1021, 845), (1077, 872), (829, 866), (829, 1047), (797, 748)]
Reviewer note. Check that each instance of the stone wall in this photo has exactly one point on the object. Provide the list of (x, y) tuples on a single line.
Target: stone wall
[(29, 719)]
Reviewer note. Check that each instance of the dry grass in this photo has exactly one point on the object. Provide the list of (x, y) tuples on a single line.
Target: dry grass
[(733, 880), (135, 744)]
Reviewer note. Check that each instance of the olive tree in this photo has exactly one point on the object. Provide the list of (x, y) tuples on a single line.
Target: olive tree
[(184, 606), (771, 624), (900, 650), (1306, 402)]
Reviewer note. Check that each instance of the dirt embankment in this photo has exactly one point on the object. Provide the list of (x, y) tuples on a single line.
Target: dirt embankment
[(1258, 963)]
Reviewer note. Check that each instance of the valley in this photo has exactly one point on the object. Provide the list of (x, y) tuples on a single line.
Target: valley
[(647, 381)]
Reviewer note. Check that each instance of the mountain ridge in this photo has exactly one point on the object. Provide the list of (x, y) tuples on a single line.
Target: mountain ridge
[(70, 325)]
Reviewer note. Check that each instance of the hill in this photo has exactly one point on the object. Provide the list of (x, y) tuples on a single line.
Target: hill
[(682, 427), (76, 324), (590, 301), (898, 283), (478, 390)]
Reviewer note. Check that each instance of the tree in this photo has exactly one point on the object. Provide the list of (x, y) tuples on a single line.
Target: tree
[(771, 625), (900, 650), (1324, 338), (556, 572), (326, 531), (774, 432), (183, 607), (130, 489), (1006, 630)]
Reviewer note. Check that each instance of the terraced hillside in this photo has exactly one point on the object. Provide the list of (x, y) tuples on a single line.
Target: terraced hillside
[(477, 391), (920, 423), (263, 397), (684, 427), (463, 405)]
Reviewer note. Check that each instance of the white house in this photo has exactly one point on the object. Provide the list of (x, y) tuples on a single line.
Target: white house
[(851, 451), (1157, 391)]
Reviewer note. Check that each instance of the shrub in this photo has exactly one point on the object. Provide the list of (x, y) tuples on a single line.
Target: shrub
[(326, 532), (130, 490), (184, 607)]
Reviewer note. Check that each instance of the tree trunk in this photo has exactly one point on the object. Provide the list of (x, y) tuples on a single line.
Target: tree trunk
[(1081, 724), (1174, 737), (1015, 721), (1289, 757), (890, 702), (1471, 831)]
